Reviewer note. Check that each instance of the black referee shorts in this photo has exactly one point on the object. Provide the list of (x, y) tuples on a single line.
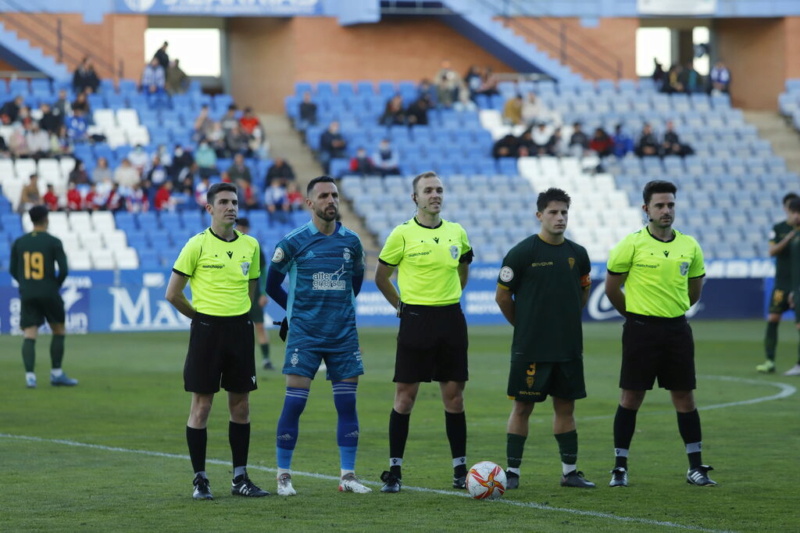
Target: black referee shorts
[(431, 344), (221, 352), (657, 348)]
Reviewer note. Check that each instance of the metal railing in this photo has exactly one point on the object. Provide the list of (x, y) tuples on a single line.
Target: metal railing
[(50, 35)]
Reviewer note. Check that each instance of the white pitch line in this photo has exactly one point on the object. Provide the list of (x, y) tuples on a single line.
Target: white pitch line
[(786, 390), (530, 505)]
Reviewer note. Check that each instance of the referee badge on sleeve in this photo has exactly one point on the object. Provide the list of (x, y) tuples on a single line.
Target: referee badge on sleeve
[(277, 257), (506, 274)]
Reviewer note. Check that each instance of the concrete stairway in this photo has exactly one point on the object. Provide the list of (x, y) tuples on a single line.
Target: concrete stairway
[(784, 138), (285, 142)]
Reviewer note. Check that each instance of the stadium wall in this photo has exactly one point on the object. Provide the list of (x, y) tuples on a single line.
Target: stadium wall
[(611, 38), (283, 51), (761, 54)]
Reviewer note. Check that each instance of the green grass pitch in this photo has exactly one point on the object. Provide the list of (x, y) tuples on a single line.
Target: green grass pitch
[(110, 455)]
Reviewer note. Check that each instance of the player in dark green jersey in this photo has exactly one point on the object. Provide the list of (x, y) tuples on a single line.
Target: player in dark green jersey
[(542, 287), (257, 311), (222, 268), (39, 265), (794, 255), (662, 271), (782, 234)]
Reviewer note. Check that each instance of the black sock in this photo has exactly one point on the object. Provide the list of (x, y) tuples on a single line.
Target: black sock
[(197, 439), (624, 427), (57, 350), (239, 438), (456, 428), (28, 354), (398, 435), (265, 351), (691, 432), (771, 340)]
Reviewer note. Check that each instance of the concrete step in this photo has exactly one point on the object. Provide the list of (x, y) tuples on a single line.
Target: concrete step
[(287, 143), (784, 138)]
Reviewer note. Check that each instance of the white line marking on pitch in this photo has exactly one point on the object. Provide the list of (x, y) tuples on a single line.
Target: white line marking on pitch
[(530, 505)]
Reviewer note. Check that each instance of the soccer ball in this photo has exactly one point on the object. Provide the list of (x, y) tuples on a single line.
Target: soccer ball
[(486, 481)]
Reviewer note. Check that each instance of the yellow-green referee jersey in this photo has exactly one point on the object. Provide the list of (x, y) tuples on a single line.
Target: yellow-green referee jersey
[(219, 272), (427, 261), (658, 272)]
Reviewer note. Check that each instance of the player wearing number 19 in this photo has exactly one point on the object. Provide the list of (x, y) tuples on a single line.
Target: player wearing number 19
[(34, 258)]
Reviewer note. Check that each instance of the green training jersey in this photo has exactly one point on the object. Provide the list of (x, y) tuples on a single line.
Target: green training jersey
[(794, 265), (219, 272), (783, 261), (658, 272), (427, 260), (34, 258), (547, 282)]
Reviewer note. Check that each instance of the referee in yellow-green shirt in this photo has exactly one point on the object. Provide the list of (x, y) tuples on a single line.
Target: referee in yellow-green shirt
[(662, 271), (432, 257), (222, 267)]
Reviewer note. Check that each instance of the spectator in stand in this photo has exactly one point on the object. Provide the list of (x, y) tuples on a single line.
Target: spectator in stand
[(49, 121), (648, 145), (248, 196), (417, 112), (139, 158), (125, 175), (163, 200), (217, 140), (74, 197), (671, 144), (153, 78), (5, 153), (162, 57), (18, 142), (30, 196), (295, 197), (658, 76), (472, 79), (307, 113), (230, 119), (115, 201), (200, 191), (203, 125), (393, 113), (103, 191), (526, 145), (672, 83), (9, 113), (602, 144), (448, 84), (60, 142), (85, 79), (540, 136), (237, 142), (92, 201), (177, 81), (555, 146), (251, 125), (361, 163), (386, 159), (181, 159), (281, 170), (332, 144), (239, 173), (136, 199), (154, 177), (512, 110), (623, 143), (720, 78), (488, 86), (506, 146), (81, 103), (426, 90), (62, 107), (578, 141), (51, 199), (77, 127), (78, 174), (38, 141), (276, 201), (24, 118), (532, 111), (206, 159), (689, 78)]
